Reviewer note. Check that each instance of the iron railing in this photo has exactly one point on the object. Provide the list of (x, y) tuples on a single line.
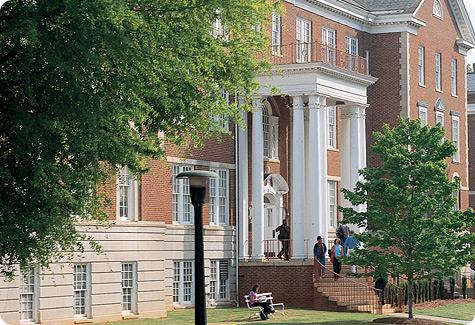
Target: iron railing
[(272, 248), (295, 53), (354, 293)]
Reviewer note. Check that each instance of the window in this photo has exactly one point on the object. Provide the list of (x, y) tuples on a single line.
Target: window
[(270, 125), (182, 208), (437, 9), (29, 295), (219, 280), (221, 119), (218, 29), (329, 45), (423, 115), (453, 77), (304, 40), (182, 282), (438, 72), (81, 290), (219, 197), (352, 53), (456, 137), (439, 118), (332, 127), (127, 207), (276, 33), (456, 178), (129, 287), (332, 202), (266, 113), (422, 68)]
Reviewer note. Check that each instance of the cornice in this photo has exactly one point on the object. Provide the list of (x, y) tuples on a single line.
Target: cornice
[(320, 67)]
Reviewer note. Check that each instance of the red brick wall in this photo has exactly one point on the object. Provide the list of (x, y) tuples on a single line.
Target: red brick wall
[(471, 157), (384, 97), (447, 32), (292, 285)]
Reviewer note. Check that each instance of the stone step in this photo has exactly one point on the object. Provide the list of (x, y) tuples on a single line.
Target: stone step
[(329, 279), (353, 299)]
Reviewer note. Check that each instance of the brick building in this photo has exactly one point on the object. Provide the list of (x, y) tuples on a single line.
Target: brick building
[(471, 134), (341, 69)]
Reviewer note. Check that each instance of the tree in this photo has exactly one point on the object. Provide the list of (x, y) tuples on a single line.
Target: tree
[(413, 229), (87, 86)]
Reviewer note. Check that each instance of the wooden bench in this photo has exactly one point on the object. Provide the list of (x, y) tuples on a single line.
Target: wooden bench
[(263, 297)]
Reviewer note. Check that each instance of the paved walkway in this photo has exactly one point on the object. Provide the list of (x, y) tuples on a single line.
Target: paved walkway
[(440, 319)]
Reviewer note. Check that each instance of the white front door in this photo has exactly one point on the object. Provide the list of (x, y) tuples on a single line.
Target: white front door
[(271, 244)]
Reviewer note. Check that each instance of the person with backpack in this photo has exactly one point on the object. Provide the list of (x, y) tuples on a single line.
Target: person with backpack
[(284, 238)]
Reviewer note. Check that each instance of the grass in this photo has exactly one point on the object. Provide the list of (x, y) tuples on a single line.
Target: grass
[(463, 311), (241, 315)]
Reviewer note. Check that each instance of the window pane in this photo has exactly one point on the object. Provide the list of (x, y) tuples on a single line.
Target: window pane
[(80, 289), (128, 274)]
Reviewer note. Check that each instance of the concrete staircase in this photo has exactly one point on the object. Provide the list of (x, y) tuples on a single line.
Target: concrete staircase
[(347, 293)]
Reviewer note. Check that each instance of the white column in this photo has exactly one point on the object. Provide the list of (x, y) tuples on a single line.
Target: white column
[(314, 170), (354, 149), (324, 167), (345, 154), (298, 178), (243, 194), (257, 179)]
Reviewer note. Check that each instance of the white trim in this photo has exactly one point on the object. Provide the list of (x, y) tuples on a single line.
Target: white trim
[(186, 161), (440, 114), (334, 178), (180, 188), (216, 205), (35, 296), (133, 198)]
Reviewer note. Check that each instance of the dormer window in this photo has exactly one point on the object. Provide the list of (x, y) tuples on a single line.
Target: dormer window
[(437, 9)]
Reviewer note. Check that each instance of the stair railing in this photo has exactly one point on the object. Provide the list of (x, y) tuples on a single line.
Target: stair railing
[(357, 296)]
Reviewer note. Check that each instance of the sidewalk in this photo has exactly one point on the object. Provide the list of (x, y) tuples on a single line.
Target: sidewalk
[(440, 319)]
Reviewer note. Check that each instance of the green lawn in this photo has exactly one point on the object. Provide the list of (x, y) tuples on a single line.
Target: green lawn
[(464, 311), (240, 316)]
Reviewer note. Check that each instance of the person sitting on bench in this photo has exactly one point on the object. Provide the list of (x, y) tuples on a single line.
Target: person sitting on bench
[(255, 301)]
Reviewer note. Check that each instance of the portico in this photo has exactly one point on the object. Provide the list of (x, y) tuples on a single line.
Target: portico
[(311, 94)]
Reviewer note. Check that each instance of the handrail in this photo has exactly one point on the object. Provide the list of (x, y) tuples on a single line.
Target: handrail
[(272, 248), (306, 52), (348, 291)]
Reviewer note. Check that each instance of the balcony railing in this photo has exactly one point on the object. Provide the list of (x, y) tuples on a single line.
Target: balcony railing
[(274, 247), (314, 52)]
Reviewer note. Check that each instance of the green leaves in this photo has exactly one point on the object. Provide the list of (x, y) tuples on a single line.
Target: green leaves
[(86, 86), (413, 228)]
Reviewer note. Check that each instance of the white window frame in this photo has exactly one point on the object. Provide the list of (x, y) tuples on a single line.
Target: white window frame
[(218, 29), (453, 77), (438, 71), (129, 287), (218, 286), (439, 117), (276, 33), (29, 296), (329, 45), (422, 65), (179, 284), (437, 9), (303, 40), (266, 129), (182, 209), (332, 204), (423, 115), (127, 187), (332, 128), (219, 198), (352, 59), (86, 289), (456, 137), (222, 119)]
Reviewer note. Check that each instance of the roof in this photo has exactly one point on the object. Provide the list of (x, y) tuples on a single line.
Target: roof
[(406, 6), (471, 82)]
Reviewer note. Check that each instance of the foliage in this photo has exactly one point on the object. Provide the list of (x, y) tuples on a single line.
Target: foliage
[(87, 86), (412, 227)]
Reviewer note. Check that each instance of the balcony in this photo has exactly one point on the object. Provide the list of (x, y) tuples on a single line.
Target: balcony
[(300, 53)]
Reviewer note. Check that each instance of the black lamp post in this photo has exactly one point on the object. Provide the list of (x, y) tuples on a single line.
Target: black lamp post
[(198, 180)]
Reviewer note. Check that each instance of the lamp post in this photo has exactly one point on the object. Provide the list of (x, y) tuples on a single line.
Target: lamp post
[(198, 181)]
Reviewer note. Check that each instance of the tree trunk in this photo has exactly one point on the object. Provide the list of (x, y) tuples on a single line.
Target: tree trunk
[(410, 294)]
